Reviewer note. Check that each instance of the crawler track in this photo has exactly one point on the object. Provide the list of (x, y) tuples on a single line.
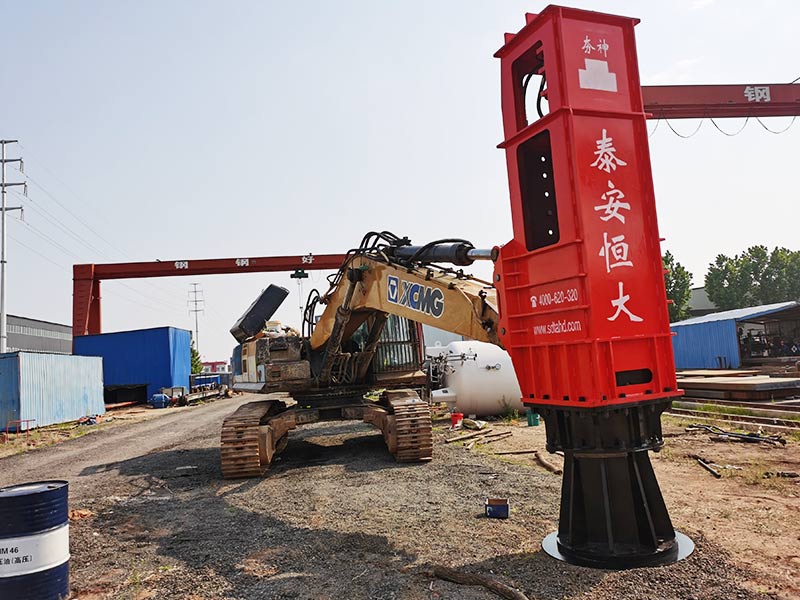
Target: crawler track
[(240, 455), (414, 434)]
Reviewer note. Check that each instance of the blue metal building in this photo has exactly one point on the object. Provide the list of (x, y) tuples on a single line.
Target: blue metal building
[(141, 361), (49, 388), (712, 341)]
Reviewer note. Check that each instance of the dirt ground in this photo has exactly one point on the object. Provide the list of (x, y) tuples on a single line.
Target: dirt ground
[(14, 443), (336, 517)]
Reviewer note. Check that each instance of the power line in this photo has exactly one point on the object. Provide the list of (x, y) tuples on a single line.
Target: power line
[(74, 216), (51, 241), (170, 290), (94, 232), (67, 270), (170, 306), (51, 218), (35, 251)]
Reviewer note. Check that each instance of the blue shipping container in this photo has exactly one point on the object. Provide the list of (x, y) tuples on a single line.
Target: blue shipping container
[(50, 388), (157, 358)]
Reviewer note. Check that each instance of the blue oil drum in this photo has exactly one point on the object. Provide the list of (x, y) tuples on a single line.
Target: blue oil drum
[(34, 541)]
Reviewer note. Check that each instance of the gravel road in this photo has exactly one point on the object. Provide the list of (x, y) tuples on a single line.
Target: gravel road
[(336, 518)]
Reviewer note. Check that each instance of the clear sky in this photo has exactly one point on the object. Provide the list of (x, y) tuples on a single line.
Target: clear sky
[(191, 129)]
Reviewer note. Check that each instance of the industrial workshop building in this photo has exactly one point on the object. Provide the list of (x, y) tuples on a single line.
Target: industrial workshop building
[(744, 336), (38, 336)]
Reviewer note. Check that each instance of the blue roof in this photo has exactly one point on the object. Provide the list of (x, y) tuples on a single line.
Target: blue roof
[(739, 314)]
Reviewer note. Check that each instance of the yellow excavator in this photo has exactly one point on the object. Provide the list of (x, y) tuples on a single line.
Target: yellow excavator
[(364, 341)]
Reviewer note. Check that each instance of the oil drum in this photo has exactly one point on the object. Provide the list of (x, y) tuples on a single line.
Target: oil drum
[(34, 541)]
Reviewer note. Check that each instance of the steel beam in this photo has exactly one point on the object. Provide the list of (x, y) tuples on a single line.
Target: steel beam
[(720, 101), (86, 278)]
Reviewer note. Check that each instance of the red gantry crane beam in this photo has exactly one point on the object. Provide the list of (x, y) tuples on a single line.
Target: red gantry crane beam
[(86, 314), (718, 101)]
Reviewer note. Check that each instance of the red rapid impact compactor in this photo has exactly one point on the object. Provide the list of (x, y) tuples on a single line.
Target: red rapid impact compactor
[(583, 307)]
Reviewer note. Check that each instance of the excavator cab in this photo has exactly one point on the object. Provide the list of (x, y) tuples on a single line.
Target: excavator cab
[(272, 358)]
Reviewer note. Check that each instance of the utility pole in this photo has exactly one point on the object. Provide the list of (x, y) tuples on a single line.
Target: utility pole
[(195, 301), (3, 210)]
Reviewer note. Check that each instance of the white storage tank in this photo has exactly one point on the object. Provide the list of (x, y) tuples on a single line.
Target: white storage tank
[(483, 383)]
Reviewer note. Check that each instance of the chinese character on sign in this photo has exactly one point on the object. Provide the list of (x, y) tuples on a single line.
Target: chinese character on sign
[(181, 264), (613, 205), (587, 45), (620, 303), (308, 259), (607, 159), (602, 46), (242, 262), (757, 94), (615, 252)]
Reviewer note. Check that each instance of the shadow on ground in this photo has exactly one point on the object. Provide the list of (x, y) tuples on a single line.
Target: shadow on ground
[(334, 444), (231, 539)]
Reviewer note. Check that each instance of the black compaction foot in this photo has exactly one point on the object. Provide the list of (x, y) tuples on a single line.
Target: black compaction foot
[(612, 513), (685, 546)]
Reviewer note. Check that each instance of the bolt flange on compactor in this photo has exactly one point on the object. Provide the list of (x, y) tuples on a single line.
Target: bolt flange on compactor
[(583, 309)]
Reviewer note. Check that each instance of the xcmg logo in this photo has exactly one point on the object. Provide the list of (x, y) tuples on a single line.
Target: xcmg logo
[(417, 297)]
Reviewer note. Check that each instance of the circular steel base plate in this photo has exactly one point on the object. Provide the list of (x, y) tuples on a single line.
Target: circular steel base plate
[(685, 548)]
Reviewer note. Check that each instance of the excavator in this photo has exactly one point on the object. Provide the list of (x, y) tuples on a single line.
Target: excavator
[(327, 371)]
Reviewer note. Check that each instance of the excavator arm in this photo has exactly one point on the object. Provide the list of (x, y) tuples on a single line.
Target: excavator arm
[(441, 298)]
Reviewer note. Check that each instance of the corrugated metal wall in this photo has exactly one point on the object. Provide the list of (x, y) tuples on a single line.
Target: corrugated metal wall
[(711, 345), (156, 358), (9, 388), (50, 388), (180, 344)]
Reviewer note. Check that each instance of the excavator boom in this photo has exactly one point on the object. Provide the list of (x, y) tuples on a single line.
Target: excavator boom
[(440, 298)]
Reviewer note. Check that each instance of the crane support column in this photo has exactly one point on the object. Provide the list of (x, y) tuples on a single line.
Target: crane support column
[(583, 307)]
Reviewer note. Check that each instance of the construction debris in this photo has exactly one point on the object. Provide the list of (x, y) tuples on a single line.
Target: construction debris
[(786, 474), (77, 514), (707, 466), (748, 387), (547, 464), (719, 434), (489, 583), (541, 460), (467, 436), (488, 439)]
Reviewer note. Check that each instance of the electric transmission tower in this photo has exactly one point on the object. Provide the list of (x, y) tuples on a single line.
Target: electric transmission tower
[(195, 303), (3, 210)]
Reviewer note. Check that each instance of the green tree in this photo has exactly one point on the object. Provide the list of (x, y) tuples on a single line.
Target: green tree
[(757, 276), (679, 287), (725, 285), (779, 279), (197, 363)]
